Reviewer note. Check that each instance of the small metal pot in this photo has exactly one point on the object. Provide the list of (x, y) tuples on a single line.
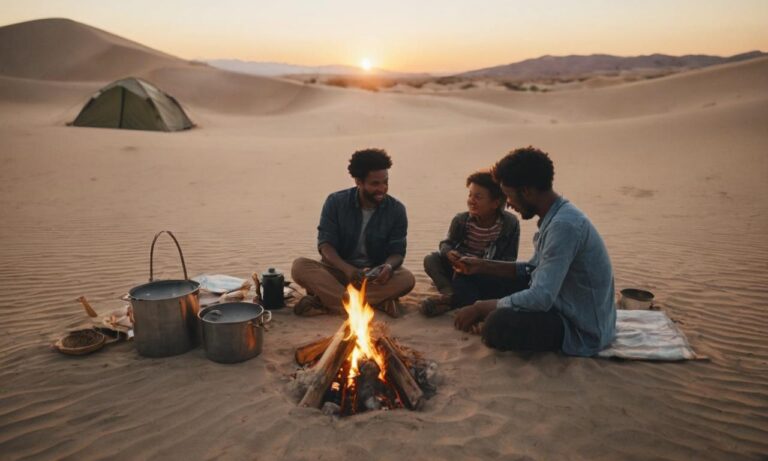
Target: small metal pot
[(634, 299), (233, 332)]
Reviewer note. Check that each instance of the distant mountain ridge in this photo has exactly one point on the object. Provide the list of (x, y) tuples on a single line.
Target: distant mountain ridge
[(578, 65), (274, 69)]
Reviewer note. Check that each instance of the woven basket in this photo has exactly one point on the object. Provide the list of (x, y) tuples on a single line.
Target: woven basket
[(81, 342)]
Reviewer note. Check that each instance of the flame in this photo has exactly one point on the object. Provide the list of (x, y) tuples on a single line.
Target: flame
[(360, 316)]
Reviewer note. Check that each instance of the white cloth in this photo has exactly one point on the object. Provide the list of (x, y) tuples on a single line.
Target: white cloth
[(648, 335), (217, 283)]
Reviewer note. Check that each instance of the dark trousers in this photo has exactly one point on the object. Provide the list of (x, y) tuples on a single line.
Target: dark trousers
[(470, 288), (466, 289), (509, 330)]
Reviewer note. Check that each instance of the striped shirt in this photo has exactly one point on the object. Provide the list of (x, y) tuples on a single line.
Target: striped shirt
[(478, 238)]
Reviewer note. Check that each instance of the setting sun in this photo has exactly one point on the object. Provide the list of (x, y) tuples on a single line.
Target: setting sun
[(366, 64)]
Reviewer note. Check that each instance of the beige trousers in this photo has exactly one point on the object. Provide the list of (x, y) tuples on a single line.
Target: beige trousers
[(329, 284)]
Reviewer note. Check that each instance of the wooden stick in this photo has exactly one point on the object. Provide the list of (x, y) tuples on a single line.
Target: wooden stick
[(327, 367), (308, 353), (398, 374), (257, 286), (87, 306)]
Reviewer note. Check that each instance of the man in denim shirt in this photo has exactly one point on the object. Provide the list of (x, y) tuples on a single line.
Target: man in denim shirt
[(569, 304), (362, 232)]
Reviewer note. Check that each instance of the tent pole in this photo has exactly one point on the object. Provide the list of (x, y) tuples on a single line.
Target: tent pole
[(122, 107)]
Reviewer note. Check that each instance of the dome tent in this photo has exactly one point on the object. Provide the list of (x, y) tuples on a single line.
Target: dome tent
[(133, 104)]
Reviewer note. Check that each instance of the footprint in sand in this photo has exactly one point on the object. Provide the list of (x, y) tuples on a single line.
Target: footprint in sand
[(636, 192)]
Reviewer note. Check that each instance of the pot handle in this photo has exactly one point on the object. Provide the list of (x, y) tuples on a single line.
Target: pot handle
[(152, 255), (261, 322)]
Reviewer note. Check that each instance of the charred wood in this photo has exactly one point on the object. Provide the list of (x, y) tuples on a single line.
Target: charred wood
[(398, 374), (327, 368)]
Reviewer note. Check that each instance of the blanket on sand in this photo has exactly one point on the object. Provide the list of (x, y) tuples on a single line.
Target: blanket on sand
[(648, 335)]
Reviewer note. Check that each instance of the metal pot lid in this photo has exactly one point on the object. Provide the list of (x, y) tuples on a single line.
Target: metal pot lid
[(163, 289), (231, 312), (271, 272)]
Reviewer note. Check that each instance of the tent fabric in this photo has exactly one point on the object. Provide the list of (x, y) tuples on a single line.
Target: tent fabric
[(133, 104)]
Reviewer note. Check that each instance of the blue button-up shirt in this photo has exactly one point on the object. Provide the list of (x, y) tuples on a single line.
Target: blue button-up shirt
[(570, 272)]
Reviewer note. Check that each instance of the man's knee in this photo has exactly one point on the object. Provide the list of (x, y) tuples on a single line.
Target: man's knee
[(300, 267), (406, 280), (493, 329)]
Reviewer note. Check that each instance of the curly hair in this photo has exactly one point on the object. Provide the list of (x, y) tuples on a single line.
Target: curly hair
[(484, 179), (525, 167), (367, 160)]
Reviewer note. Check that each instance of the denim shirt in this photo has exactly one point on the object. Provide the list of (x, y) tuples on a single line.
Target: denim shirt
[(342, 219), (570, 272)]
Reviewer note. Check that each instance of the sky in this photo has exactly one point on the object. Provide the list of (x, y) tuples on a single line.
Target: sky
[(416, 35)]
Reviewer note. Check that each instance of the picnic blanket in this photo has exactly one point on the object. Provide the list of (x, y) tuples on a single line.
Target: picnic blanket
[(648, 335)]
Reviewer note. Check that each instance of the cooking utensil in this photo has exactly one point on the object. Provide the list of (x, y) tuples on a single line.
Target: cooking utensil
[(165, 311), (233, 332)]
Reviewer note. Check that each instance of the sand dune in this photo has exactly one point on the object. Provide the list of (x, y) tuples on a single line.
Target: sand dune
[(61, 49), (681, 92), (676, 186)]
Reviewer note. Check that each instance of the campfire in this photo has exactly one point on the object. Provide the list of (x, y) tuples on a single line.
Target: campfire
[(360, 368)]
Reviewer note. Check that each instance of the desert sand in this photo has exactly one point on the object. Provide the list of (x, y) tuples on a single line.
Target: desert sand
[(672, 171)]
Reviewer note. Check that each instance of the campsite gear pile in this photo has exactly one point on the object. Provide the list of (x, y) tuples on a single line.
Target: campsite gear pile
[(165, 317)]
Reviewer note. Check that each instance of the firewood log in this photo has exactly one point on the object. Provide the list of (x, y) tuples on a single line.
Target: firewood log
[(398, 374), (257, 287), (308, 353), (87, 306), (327, 367)]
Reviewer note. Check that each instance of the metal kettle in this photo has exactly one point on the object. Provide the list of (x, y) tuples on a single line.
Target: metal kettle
[(272, 283)]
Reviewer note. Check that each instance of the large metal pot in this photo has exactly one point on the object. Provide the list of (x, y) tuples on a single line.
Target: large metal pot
[(165, 312), (233, 332)]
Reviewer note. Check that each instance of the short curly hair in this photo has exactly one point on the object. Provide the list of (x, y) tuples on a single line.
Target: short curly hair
[(484, 179), (367, 160), (525, 167)]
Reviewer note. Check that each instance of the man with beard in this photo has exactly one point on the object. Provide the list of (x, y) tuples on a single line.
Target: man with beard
[(362, 234), (569, 303)]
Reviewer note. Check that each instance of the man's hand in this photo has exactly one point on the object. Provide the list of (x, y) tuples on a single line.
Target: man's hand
[(385, 274), (354, 275), (472, 315), (469, 265), (453, 256)]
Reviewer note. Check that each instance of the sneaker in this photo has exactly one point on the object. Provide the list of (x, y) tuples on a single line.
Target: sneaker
[(308, 306), (391, 307), (436, 305)]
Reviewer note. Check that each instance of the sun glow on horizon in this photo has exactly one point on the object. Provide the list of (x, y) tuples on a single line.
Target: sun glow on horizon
[(366, 64)]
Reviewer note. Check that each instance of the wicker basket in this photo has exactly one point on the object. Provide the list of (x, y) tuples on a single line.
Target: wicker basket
[(81, 342)]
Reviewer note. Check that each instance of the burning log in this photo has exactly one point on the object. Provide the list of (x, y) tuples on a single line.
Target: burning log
[(310, 352), (398, 374), (326, 369), (368, 386)]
